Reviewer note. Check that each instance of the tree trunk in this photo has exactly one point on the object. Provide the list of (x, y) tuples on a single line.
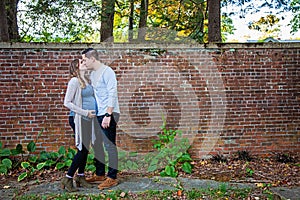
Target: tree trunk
[(143, 20), (4, 36), (214, 21), (130, 31), (8, 18), (12, 19), (107, 21)]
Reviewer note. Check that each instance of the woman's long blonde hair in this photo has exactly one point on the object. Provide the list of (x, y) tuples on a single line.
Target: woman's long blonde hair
[(74, 72)]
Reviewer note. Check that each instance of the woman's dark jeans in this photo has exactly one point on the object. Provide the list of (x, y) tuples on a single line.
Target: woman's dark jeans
[(72, 124), (79, 162), (81, 156)]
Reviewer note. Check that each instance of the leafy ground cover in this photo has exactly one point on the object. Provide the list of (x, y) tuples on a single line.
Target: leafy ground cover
[(20, 173), (280, 170)]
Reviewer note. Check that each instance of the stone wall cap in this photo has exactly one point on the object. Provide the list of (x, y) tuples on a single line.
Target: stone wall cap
[(150, 45)]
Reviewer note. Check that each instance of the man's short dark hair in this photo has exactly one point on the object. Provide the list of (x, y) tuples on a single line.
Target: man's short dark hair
[(87, 50), (90, 52)]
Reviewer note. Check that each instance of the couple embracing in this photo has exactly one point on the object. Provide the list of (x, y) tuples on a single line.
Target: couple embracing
[(94, 100)]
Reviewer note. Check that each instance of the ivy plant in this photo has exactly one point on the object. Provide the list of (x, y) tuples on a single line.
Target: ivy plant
[(172, 153)]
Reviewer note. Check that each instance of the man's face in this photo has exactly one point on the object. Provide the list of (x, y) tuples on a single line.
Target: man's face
[(87, 61)]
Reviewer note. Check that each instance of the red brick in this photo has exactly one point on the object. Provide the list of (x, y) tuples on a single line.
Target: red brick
[(261, 88)]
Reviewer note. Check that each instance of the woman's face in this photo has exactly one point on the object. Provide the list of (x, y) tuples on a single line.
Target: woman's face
[(82, 66)]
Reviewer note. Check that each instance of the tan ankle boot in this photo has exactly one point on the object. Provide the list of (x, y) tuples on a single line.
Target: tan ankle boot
[(81, 182), (67, 183)]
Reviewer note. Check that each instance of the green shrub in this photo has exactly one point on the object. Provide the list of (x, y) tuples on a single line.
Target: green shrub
[(172, 153)]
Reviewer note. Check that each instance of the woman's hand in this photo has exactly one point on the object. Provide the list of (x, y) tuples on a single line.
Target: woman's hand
[(91, 113)]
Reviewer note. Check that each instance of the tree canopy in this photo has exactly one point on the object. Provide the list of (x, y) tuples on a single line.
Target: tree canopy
[(58, 20), (123, 20), (295, 22), (268, 25)]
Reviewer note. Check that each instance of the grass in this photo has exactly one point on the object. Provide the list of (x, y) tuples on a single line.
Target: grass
[(223, 192)]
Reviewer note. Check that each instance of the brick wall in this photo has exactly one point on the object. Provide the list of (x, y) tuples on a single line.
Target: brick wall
[(224, 98)]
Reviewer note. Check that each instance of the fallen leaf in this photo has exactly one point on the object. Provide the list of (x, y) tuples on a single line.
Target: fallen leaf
[(203, 162), (123, 194), (179, 193), (260, 185)]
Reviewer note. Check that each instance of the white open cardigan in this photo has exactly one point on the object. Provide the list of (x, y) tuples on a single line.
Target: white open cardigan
[(73, 101)]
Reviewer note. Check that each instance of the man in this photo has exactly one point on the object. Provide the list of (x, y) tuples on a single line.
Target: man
[(104, 82)]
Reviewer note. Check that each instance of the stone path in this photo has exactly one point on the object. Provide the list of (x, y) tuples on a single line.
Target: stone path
[(140, 184)]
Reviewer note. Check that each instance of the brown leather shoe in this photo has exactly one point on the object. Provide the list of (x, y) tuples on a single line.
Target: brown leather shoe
[(95, 179), (109, 182)]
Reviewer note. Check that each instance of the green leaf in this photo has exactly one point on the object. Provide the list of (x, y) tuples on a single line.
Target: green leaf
[(25, 165), (54, 155), (187, 167), (19, 148), (62, 150), (22, 176), (170, 170), (175, 174), (14, 152), (72, 151), (40, 165), (3, 169), (68, 163), (49, 163), (133, 154), (44, 156), (153, 165), (128, 164), (31, 146), (91, 168), (157, 146), (70, 155), (91, 157), (185, 157), (33, 159), (4, 152), (60, 166), (7, 162), (163, 173), (122, 154), (178, 155), (152, 168), (133, 165)]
